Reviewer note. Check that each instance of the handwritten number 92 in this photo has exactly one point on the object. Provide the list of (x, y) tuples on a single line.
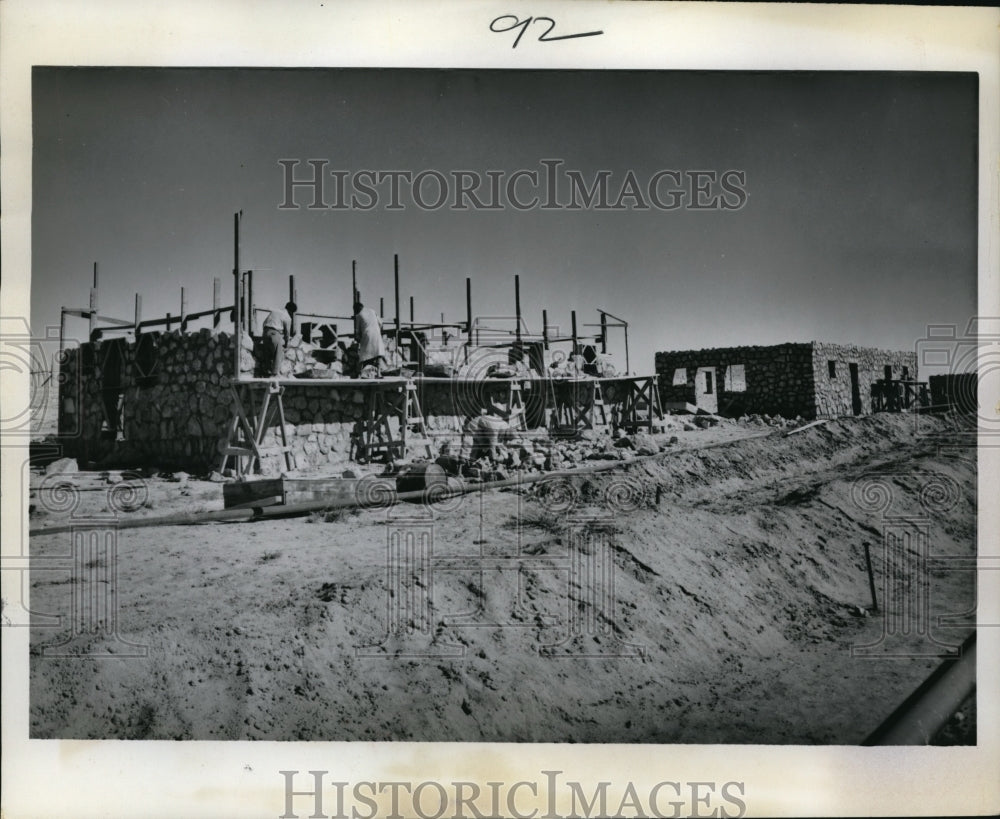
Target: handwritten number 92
[(544, 37)]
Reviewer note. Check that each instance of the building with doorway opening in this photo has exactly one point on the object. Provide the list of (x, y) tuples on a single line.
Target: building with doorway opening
[(809, 379)]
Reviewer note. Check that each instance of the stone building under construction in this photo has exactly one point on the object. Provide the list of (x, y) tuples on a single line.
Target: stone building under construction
[(163, 391), (810, 379)]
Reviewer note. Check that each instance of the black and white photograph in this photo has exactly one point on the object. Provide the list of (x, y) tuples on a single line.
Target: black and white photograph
[(434, 409)]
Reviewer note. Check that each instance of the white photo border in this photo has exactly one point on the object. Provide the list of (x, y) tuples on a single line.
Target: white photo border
[(217, 779)]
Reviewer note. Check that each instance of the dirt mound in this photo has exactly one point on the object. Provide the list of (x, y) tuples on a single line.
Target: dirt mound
[(702, 595)]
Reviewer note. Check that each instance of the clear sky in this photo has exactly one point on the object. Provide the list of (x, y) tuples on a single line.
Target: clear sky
[(859, 223)]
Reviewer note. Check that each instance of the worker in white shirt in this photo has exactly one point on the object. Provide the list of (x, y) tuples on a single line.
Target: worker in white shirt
[(368, 335), (277, 332)]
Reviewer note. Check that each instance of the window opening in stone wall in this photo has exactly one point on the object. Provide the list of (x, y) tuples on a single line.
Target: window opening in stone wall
[(832, 367), (147, 360), (112, 388), (708, 383), (906, 373), (887, 370), (87, 359), (680, 377), (855, 389), (736, 380)]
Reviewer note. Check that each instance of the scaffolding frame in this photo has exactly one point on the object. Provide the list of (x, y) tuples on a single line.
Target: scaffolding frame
[(572, 401)]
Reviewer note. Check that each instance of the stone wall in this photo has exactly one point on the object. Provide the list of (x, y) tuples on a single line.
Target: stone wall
[(320, 420), (778, 380), (176, 403), (955, 391), (786, 379), (174, 396), (834, 392)]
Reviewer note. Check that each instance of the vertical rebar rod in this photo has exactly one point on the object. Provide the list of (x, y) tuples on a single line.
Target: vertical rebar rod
[(517, 308), (216, 302), (395, 262), (468, 308), (237, 296), (871, 577), (93, 305), (249, 298), (243, 300)]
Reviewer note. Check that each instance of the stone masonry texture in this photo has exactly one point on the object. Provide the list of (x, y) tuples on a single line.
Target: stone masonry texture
[(790, 380), (177, 405)]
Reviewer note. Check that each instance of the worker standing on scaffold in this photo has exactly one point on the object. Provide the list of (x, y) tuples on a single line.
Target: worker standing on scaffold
[(368, 336), (277, 332)]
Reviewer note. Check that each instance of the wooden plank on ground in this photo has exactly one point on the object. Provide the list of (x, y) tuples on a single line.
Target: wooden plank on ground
[(242, 493), (808, 426), (257, 503), (299, 490)]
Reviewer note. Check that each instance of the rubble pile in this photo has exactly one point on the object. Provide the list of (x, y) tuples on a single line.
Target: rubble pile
[(775, 421), (527, 455)]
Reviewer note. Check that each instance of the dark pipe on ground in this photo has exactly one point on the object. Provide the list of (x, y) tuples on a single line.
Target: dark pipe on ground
[(931, 705), (384, 494)]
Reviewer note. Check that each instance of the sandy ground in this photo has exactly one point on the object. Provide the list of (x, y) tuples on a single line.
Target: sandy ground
[(711, 594)]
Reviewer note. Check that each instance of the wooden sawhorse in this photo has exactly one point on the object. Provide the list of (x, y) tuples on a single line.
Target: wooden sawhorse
[(640, 404), (248, 451), (374, 433), (579, 403)]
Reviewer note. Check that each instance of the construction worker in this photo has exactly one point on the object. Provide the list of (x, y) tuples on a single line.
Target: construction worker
[(485, 434), (277, 332), (368, 336)]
